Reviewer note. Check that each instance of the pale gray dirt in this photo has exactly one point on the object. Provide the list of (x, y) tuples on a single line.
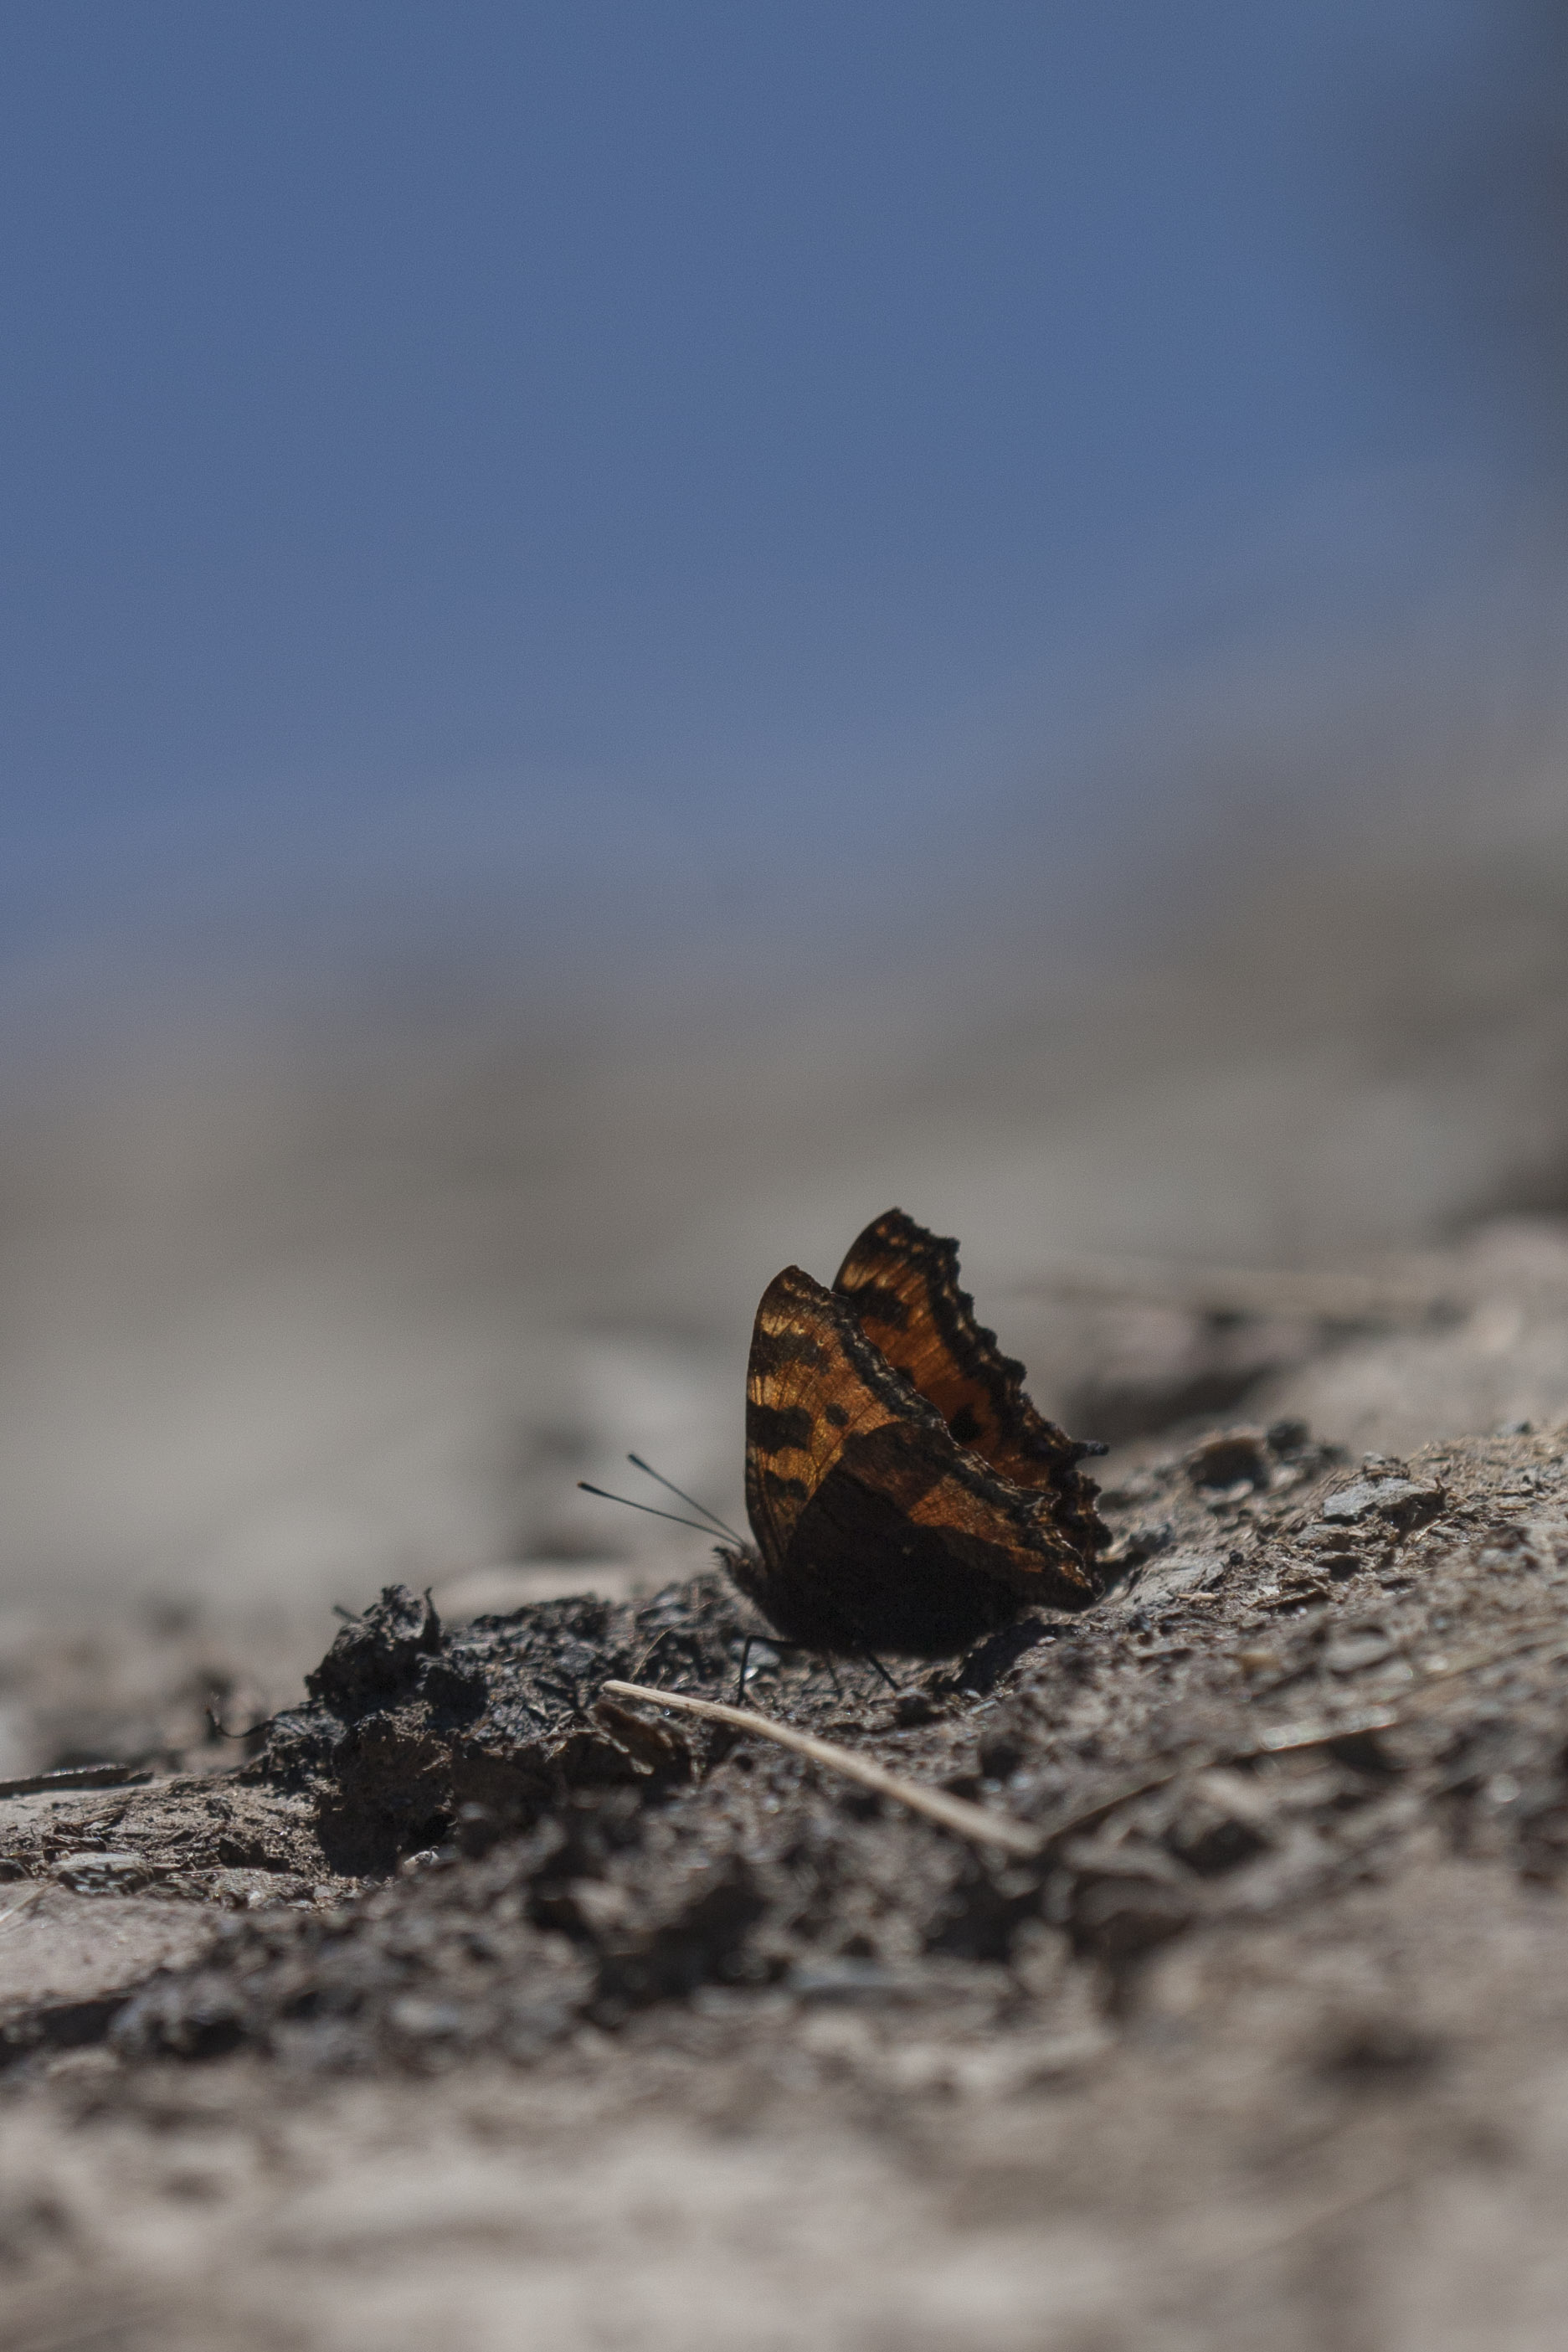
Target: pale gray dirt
[(62, 1950)]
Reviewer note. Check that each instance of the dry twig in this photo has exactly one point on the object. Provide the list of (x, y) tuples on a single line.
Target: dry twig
[(1015, 1837), (955, 1814), (76, 1775)]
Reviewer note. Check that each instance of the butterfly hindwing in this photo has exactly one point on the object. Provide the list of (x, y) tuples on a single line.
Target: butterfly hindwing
[(903, 1284)]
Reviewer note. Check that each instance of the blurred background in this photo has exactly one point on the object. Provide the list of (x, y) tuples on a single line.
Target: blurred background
[(630, 634)]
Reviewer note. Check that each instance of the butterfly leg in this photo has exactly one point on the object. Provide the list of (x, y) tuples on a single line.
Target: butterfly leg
[(776, 1642), (867, 1653), (801, 1648)]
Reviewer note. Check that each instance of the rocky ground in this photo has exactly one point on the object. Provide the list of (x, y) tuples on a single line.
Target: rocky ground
[(469, 2005)]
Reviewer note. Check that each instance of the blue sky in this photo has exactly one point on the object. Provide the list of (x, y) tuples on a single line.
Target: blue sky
[(445, 446)]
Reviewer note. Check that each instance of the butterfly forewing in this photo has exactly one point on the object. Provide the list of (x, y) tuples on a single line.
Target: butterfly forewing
[(805, 1393)]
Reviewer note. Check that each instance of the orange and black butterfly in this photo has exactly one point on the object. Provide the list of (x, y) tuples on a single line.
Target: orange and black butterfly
[(903, 1492)]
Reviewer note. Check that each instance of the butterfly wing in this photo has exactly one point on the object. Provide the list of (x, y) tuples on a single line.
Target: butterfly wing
[(874, 1525), (903, 1284), (811, 1380)]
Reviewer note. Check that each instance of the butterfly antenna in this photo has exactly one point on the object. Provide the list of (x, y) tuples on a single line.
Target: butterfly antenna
[(605, 1496), (669, 1484)]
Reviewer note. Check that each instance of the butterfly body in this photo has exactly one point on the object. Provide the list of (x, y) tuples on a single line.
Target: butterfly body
[(903, 1492)]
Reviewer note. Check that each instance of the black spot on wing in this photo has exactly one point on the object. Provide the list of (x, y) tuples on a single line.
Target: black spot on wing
[(963, 1425), (875, 1303), (772, 1350), (837, 1415), (772, 1428)]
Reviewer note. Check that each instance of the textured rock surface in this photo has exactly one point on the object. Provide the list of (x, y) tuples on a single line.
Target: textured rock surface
[(60, 1947)]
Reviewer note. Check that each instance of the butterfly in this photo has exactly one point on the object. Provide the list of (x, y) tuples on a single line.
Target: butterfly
[(903, 1493)]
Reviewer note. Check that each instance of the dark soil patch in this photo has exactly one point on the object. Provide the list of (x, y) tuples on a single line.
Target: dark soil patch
[(1311, 1671)]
